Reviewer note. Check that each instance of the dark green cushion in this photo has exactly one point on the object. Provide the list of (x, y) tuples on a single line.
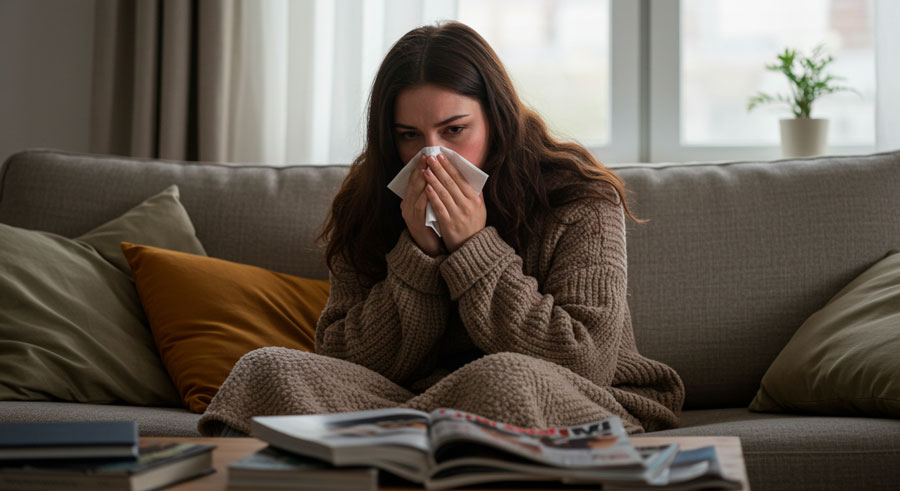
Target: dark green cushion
[(845, 359), (71, 323)]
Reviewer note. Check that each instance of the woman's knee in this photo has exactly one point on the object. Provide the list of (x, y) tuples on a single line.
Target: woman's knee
[(503, 362), (270, 357)]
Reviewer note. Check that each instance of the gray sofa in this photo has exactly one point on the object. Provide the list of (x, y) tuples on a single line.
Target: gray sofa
[(734, 258)]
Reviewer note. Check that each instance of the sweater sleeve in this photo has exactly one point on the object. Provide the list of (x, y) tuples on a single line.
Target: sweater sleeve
[(392, 326), (576, 318)]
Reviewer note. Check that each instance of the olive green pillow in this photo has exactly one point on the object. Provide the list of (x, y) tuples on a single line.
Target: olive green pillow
[(845, 359), (71, 323)]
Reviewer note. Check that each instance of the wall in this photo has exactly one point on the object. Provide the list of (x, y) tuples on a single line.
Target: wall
[(45, 74)]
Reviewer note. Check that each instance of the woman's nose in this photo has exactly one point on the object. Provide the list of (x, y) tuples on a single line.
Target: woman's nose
[(433, 140)]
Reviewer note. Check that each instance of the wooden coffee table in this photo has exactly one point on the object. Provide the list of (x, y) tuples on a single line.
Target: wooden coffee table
[(231, 449)]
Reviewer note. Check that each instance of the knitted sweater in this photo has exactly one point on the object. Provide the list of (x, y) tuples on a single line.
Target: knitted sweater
[(536, 339)]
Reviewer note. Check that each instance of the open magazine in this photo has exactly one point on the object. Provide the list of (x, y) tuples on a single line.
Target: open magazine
[(449, 448)]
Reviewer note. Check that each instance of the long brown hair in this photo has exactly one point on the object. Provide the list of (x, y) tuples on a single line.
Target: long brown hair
[(365, 220)]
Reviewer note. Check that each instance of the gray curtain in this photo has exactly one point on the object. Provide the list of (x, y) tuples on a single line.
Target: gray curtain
[(160, 78)]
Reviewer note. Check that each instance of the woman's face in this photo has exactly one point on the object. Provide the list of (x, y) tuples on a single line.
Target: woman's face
[(428, 115)]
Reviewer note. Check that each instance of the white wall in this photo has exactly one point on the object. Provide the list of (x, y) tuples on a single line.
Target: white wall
[(46, 57)]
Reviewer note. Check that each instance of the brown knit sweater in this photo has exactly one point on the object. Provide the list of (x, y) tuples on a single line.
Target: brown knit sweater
[(538, 339)]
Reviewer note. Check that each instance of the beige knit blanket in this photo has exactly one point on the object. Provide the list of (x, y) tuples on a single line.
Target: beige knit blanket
[(535, 339), (508, 387)]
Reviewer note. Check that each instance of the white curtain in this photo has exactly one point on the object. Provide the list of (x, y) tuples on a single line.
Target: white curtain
[(301, 74)]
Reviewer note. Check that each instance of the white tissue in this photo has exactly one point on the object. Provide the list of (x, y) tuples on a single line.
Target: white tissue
[(473, 175)]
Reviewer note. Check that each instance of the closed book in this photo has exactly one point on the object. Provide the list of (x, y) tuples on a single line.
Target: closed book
[(80, 440), (273, 468), (159, 464)]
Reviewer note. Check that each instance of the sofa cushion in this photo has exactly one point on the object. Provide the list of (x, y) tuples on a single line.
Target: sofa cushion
[(206, 313), (845, 359), (798, 453), (71, 324)]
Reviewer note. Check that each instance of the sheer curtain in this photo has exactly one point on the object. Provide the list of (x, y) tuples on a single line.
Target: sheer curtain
[(303, 72)]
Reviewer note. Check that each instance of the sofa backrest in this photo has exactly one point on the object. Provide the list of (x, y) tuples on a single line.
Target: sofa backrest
[(737, 255), (734, 258), (260, 215)]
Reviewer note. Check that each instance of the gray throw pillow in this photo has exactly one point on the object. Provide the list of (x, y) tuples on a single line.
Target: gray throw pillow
[(71, 323), (845, 359)]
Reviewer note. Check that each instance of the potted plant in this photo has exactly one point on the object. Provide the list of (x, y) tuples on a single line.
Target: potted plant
[(803, 135)]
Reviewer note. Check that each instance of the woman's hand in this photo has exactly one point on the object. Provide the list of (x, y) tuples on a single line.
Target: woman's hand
[(413, 209), (459, 209)]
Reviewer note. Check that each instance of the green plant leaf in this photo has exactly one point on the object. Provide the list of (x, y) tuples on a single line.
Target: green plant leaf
[(807, 81)]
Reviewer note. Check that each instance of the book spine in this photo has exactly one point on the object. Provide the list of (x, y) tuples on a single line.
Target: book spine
[(49, 482)]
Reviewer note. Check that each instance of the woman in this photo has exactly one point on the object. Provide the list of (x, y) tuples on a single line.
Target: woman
[(517, 312)]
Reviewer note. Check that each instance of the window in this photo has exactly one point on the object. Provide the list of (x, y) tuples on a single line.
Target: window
[(553, 50), (571, 63), (708, 58), (725, 45), (632, 80), (669, 80)]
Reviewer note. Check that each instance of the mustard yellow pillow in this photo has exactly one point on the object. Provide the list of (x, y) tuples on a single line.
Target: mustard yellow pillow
[(206, 313)]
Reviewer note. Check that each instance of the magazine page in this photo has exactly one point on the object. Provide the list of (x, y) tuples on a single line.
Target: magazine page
[(398, 436), (406, 427), (469, 475), (483, 469), (657, 459), (599, 444)]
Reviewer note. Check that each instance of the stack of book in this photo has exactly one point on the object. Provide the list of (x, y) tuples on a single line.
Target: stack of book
[(449, 448), (93, 455)]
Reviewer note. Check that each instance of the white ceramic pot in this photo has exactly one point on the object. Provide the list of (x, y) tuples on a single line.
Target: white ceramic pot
[(803, 137)]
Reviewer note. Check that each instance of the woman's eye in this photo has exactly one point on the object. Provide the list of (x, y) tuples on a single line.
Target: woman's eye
[(454, 130), (407, 135)]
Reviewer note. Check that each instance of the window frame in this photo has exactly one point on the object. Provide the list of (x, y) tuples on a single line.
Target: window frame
[(665, 100), (887, 75), (625, 90)]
